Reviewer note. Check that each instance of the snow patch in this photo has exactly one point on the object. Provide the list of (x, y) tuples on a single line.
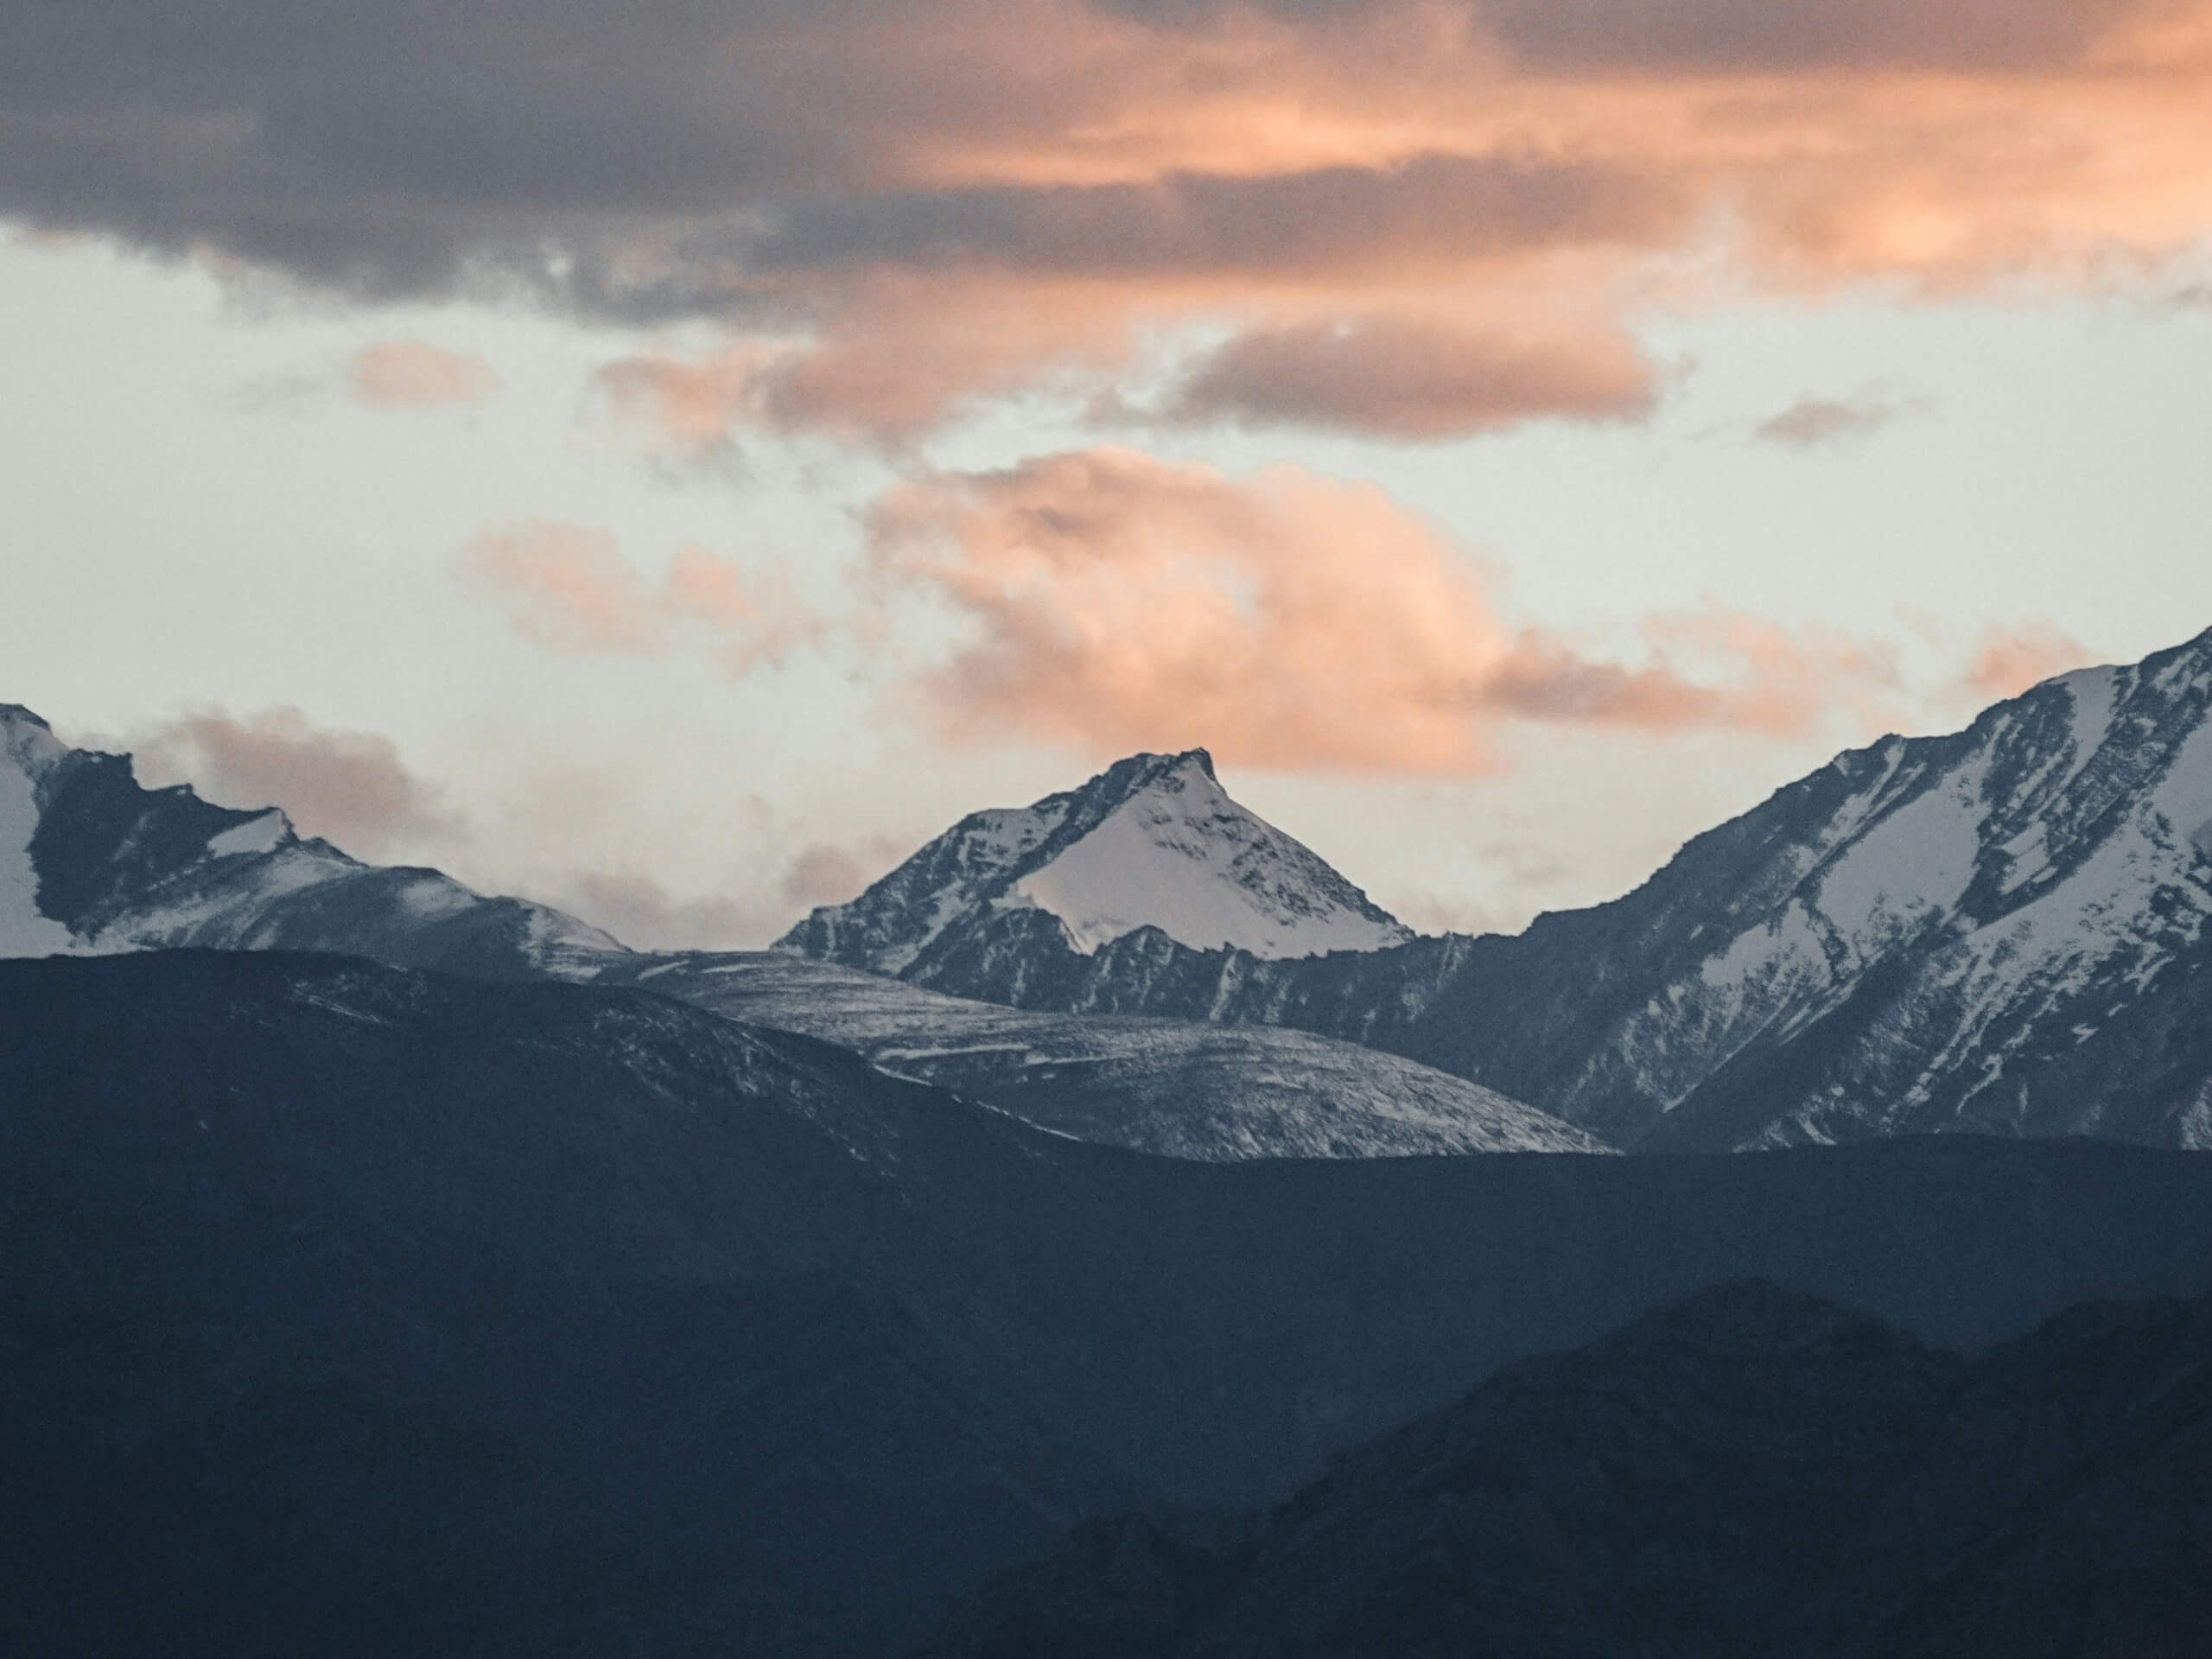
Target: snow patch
[(1919, 857), (23, 930), (262, 835), (2093, 690)]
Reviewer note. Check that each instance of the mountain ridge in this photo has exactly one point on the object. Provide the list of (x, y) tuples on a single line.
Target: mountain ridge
[(1874, 949), (107, 865), (1750, 1471)]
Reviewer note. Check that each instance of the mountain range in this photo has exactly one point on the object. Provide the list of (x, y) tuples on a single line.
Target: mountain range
[(90, 861), (1999, 930), (395, 1268)]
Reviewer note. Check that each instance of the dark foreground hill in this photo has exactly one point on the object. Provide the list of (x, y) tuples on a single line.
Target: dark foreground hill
[(354, 1311), (1751, 1471)]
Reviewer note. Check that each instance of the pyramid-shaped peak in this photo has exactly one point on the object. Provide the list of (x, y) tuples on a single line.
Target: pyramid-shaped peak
[(1153, 842)]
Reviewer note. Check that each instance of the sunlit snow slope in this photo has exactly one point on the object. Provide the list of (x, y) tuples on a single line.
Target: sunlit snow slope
[(1153, 842), (1178, 1087)]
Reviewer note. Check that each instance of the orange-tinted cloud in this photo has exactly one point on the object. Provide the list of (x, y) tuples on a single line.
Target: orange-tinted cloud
[(349, 787), (1412, 378), (1288, 620), (1369, 201), (408, 374), (570, 588), (2010, 660), (902, 208)]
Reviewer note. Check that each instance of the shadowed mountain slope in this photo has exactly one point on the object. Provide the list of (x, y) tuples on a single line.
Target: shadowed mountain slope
[(1753, 1471), (353, 1311)]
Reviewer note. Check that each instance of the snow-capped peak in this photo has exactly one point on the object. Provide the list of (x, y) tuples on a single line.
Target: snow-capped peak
[(91, 861), (1179, 855), (1153, 842)]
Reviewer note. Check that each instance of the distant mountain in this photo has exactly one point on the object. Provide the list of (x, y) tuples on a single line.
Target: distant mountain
[(2002, 930), (91, 861), (1151, 847), (1751, 1471), (1178, 1087), (355, 1313)]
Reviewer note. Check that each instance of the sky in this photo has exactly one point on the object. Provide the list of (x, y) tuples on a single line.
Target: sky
[(671, 459)]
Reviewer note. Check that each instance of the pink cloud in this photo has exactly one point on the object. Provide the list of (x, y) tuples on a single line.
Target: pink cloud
[(1414, 378), (408, 374), (1286, 620), (569, 588), (918, 206), (2010, 660), (350, 787)]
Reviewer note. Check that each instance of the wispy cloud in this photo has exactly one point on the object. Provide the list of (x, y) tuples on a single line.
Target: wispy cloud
[(2010, 659), (1814, 421), (409, 374), (570, 588)]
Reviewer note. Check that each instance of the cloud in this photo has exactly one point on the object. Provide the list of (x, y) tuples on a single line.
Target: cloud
[(823, 875), (1114, 602), (906, 208), (349, 787), (642, 913), (408, 374), (1814, 422), (1424, 209), (569, 588), (1413, 379), (1733, 35), (2010, 660)]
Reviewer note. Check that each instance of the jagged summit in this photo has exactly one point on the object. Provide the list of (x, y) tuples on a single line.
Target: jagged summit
[(1153, 842), (90, 861)]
